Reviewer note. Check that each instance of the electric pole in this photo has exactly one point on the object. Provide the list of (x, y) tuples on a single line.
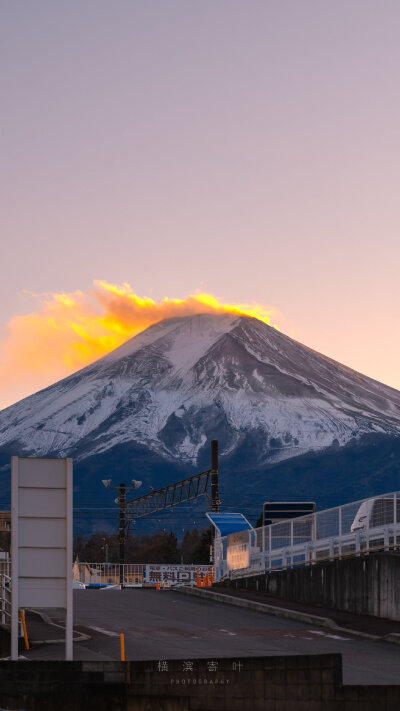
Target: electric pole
[(122, 531), (121, 501), (215, 502)]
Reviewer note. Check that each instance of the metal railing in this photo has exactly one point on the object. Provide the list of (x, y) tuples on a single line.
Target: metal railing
[(108, 573), (353, 529), (138, 574), (5, 567), (5, 599)]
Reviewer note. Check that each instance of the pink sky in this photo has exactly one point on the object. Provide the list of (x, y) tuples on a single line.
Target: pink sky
[(247, 150)]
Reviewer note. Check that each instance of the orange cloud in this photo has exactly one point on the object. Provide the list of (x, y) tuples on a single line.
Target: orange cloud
[(69, 331)]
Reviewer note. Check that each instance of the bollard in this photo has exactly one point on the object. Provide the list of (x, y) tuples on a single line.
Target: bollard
[(158, 585), (22, 614), (122, 644)]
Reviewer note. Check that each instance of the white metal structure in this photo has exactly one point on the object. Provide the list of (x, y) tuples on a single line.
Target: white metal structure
[(353, 529), (41, 540)]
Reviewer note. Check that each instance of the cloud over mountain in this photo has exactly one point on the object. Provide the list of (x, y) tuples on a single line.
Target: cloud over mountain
[(70, 330)]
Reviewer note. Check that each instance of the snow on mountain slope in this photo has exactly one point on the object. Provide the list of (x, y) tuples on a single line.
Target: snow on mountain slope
[(186, 380)]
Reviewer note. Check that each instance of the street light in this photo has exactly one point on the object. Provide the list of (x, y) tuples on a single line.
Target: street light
[(121, 501)]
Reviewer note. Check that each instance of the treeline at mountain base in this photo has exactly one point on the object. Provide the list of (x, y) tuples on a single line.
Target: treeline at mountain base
[(161, 547)]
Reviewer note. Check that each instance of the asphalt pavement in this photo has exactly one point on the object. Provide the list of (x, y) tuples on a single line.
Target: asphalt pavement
[(165, 624)]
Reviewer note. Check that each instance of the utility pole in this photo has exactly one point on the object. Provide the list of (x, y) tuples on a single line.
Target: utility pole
[(215, 502), (121, 501), (122, 532)]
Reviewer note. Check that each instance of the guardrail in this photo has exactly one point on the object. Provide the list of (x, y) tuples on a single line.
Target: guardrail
[(350, 530)]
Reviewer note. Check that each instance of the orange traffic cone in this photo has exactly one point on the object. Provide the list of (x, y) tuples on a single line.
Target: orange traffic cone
[(198, 579), (158, 585), (206, 581), (211, 576)]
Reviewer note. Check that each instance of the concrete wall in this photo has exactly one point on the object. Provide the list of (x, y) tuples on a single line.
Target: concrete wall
[(291, 683), (5, 641), (367, 585)]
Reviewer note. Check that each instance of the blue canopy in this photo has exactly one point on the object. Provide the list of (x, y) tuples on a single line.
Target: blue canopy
[(227, 523)]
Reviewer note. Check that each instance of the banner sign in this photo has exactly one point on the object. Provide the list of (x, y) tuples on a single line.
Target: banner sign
[(174, 574)]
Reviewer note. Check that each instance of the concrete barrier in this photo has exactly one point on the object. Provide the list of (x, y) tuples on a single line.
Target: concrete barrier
[(368, 585)]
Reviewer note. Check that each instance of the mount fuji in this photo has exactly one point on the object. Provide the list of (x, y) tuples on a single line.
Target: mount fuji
[(290, 421)]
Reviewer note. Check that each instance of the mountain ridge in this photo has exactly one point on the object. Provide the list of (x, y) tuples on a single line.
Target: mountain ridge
[(182, 371), (291, 423)]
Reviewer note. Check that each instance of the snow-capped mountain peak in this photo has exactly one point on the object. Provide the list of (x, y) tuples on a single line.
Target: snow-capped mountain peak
[(186, 380)]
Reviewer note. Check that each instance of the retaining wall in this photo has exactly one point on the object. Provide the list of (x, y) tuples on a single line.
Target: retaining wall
[(291, 683), (367, 585)]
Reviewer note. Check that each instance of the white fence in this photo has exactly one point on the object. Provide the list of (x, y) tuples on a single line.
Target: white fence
[(138, 575), (108, 573), (353, 529)]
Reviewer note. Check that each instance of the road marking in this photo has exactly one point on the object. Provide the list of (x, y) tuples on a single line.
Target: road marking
[(335, 636), (109, 633), (331, 636), (233, 634)]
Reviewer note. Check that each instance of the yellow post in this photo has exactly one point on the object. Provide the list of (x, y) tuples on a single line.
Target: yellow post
[(122, 642), (22, 614)]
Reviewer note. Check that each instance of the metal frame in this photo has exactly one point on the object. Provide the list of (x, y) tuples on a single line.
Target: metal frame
[(169, 496)]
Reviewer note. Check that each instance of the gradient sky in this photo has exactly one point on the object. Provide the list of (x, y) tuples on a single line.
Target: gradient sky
[(250, 150)]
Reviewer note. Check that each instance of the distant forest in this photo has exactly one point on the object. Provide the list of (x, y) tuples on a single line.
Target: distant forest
[(161, 547)]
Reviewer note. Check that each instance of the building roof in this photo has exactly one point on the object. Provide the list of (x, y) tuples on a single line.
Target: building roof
[(227, 523)]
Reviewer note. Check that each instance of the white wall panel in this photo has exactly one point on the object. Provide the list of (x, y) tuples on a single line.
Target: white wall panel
[(42, 563), (42, 503), (43, 473), (41, 532), (42, 592)]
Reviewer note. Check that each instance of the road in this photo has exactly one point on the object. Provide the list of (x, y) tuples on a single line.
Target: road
[(168, 625)]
